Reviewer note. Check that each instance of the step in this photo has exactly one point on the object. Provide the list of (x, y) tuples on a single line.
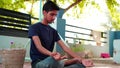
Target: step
[(103, 60)]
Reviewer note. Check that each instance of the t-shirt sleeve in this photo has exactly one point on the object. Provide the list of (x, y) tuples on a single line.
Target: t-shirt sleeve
[(57, 37), (32, 32)]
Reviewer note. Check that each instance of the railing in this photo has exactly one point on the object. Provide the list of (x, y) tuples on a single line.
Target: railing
[(13, 23), (75, 34)]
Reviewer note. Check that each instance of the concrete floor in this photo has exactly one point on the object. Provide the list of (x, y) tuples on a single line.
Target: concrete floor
[(26, 65), (104, 63), (98, 63), (101, 65)]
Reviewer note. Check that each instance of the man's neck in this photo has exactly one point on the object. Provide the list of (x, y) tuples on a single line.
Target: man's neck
[(44, 22)]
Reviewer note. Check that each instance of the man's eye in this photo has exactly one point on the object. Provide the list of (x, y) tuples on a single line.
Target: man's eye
[(52, 14)]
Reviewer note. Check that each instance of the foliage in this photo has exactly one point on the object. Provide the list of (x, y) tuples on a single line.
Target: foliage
[(114, 14), (76, 6), (77, 47), (12, 4), (15, 45)]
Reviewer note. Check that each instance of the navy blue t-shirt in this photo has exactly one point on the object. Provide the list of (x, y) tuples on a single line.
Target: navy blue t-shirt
[(48, 37)]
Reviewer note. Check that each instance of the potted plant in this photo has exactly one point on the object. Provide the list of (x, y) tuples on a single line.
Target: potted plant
[(13, 57), (78, 48)]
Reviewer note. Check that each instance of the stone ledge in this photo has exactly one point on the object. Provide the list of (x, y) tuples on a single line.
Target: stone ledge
[(103, 60)]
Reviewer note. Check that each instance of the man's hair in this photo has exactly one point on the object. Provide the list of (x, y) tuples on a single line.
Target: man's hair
[(50, 6)]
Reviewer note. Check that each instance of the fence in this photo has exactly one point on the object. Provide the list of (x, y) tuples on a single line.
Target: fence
[(76, 33), (13, 23)]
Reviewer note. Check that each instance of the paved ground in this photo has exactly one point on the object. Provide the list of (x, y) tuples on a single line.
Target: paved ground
[(27, 65), (98, 63), (101, 65)]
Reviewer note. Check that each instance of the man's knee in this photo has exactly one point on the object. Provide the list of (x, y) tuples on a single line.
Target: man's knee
[(49, 63), (42, 65), (56, 64), (77, 65)]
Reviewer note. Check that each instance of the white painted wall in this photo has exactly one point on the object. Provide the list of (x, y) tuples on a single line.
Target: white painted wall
[(97, 50)]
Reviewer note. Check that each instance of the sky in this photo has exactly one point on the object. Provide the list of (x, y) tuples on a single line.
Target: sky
[(91, 18)]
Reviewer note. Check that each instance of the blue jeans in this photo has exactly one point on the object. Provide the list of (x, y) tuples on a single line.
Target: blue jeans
[(77, 65), (51, 63)]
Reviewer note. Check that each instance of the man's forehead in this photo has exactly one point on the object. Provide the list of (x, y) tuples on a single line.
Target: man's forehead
[(53, 12)]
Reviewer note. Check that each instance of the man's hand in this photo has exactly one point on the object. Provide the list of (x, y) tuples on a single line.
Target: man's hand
[(87, 62), (57, 56)]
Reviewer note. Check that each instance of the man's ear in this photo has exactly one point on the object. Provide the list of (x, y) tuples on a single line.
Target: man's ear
[(44, 12)]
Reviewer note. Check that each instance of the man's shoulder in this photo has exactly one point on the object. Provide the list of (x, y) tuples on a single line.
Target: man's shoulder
[(35, 24), (52, 28)]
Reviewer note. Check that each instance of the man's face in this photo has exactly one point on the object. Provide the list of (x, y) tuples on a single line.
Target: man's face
[(50, 16)]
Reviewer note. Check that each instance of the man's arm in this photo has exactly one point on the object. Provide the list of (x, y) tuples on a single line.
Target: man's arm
[(43, 50), (70, 61), (39, 46), (76, 58), (68, 50)]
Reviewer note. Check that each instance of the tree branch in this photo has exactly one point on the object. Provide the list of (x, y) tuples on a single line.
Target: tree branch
[(77, 1)]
